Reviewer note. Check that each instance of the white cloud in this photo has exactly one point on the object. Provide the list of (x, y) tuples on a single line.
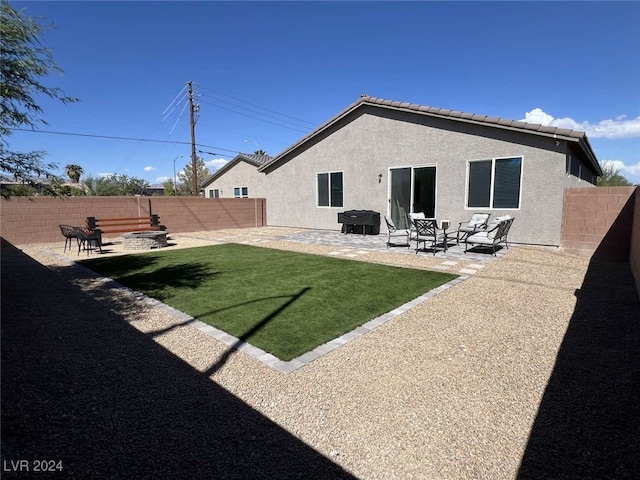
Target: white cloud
[(216, 164), (150, 169), (537, 116), (163, 179), (621, 127)]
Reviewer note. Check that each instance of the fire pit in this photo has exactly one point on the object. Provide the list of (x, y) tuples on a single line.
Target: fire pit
[(144, 240)]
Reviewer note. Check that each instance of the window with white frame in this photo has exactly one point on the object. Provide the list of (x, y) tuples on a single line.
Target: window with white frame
[(214, 193), (241, 192), (494, 183), (330, 189)]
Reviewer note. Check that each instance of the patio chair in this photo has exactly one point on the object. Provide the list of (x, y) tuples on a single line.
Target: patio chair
[(69, 233), (494, 236), (410, 218), (85, 237), (427, 231), (88, 238), (477, 223), (394, 232)]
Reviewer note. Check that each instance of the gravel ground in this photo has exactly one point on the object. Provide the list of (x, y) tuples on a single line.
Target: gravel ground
[(529, 369)]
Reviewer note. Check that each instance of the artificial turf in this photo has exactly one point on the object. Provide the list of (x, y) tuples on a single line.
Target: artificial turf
[(285, 303)]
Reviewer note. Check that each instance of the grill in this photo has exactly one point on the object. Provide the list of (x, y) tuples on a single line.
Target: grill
[(355, 221)]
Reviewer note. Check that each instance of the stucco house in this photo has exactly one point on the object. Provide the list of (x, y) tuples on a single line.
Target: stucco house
[(397, 157), (238, 179)]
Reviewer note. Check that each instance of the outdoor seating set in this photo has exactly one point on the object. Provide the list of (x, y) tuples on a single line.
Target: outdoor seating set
[(476, 231), (85, 237), (139, 231)]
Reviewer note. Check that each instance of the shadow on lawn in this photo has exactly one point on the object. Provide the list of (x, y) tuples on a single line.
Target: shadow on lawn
[(81, 385), (588, 423), (245, 336), (154, 283)]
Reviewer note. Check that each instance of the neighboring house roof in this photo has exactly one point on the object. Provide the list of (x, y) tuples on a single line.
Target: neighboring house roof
[(250, 158), (10, 180), (574, 136)]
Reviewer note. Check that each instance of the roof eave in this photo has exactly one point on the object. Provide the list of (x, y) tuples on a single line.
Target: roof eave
[(578, 137), (313, 133)]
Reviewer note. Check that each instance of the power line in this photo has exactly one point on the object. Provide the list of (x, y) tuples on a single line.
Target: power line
[(174, 101), (256, 118), (109, 137), (255, 111), (257, 106)]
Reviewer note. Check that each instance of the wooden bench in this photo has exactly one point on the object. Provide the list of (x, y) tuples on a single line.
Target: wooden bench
[(125, 225)]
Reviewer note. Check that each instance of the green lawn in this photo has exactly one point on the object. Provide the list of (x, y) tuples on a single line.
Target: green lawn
[(285, 303)]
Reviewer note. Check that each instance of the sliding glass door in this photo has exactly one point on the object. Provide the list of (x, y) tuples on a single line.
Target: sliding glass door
[(412, 189)]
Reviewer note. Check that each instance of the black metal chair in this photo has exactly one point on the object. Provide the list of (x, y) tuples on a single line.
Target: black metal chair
[(477, 223), (427, 231), (492, 237), (69, 234), (393, 232), (88, 238), (85, 238)]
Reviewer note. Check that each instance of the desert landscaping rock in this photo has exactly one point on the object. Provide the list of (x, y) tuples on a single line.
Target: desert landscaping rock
[(455, 387)]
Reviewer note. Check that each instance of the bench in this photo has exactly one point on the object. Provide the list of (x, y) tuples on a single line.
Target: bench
[(125, 225)]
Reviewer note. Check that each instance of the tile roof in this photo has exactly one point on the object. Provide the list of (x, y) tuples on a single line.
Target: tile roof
[(443, 112), (496, 122), (251, 158)]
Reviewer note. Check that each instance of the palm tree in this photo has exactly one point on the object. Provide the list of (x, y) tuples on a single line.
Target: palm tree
[(74, 172), (260, 152)]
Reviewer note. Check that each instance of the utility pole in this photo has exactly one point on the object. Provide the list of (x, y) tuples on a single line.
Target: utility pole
[(192, 122)]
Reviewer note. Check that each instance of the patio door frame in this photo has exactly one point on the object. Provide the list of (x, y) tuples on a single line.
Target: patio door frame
[(401, 221)]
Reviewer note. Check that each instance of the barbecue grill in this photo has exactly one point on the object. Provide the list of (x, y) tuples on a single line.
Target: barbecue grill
[(355, 221)]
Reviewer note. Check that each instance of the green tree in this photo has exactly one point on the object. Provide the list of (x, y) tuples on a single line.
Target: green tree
[(115, 185), (260, 152), (23, 62), (100, 186), (611, 177), (186, 177), (74, 172), (18, 190), (168, 188), (58, 188)]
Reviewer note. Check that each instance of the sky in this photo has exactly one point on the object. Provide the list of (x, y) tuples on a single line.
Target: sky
[(265, 74)]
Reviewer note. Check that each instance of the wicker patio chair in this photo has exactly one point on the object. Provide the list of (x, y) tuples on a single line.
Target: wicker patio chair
[(87, 239), (69, 233)]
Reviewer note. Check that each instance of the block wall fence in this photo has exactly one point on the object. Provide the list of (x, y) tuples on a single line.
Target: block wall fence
[(603, 223), (634, 254), (36, 219)]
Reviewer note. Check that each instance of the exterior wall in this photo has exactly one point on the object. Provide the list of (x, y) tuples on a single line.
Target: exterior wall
[(580, 178), (367, 145), (240, 175), (598, 222), (36, 219), (634, 251)]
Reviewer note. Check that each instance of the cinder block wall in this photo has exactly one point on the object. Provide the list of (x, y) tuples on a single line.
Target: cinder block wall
[(634, 254), (597, 222), (36, 219)]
